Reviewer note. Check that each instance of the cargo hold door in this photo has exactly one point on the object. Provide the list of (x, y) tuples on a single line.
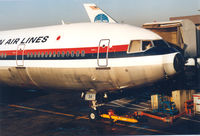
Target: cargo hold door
[(102, 54)]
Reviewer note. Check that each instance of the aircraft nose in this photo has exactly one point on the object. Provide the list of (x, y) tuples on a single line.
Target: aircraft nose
[(173, 63)]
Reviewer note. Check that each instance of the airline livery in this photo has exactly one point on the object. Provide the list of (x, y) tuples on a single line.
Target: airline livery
[(88, 57), (96, 15)]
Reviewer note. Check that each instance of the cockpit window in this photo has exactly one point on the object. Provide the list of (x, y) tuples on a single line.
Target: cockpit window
[(160, 43), (146, 45), (135, 46), (139, 46)]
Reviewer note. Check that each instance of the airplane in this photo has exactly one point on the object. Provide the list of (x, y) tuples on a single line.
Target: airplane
[(97, 15), (86, 57)]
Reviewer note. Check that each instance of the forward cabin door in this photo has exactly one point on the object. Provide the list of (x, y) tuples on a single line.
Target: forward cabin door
[(102, 54), (20, 55)]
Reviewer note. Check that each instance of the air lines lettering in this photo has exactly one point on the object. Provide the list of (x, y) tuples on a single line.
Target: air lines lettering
[(1, 42), (39, 39)]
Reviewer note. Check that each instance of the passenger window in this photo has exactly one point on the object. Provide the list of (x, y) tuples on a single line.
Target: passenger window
[(63, 54), (77, 53), (2, 55), (72, 53), (46, 54), (35, 55), (42, 54), (146, 45), (5, 55), (54, 54), (38, 54), (82, 53), (58, 54), (67, 54), (28, 55), (50, 54), (31, 55)]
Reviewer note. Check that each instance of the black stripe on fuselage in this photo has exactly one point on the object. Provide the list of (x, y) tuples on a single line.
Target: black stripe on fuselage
[(153, 51)]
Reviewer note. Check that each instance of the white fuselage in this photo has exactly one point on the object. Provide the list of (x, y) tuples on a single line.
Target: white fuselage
[(80, 56)]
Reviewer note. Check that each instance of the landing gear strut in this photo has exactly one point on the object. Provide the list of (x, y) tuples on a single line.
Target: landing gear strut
[(91, 96)]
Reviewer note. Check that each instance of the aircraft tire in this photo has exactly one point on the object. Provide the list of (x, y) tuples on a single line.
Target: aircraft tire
[(93, 115)]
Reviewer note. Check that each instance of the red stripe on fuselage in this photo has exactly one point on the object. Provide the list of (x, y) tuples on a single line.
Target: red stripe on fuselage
[(88, 50)]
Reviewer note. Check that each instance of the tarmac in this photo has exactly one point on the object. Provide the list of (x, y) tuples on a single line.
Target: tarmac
[(61, 113)]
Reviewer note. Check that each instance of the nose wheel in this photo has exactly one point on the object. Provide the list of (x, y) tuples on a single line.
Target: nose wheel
[(94, 104), (94, 114)]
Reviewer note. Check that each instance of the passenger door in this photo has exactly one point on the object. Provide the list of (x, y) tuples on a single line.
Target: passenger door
[(102, 54), (20, 55)]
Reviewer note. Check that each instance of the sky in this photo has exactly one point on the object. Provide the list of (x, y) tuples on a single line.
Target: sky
[(15, 14)]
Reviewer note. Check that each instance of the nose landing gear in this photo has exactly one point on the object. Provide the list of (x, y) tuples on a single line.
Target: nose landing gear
[(94, 104)]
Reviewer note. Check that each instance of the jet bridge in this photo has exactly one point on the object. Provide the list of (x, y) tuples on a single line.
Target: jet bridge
[(184, 34)]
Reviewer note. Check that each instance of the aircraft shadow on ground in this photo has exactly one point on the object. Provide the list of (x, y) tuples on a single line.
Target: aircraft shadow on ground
[(9, 95)]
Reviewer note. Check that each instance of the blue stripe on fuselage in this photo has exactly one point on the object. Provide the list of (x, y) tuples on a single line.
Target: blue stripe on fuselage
[(123, 54)]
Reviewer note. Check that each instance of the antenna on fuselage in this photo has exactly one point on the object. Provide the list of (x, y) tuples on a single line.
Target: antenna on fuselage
[(62, 22)]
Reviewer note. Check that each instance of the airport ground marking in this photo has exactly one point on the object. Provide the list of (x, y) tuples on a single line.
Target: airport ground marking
[(190, 119), (131, 108), (145, 103), (41, 110), (137, 127), (117, 104), (47, 111), (80, 117)]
